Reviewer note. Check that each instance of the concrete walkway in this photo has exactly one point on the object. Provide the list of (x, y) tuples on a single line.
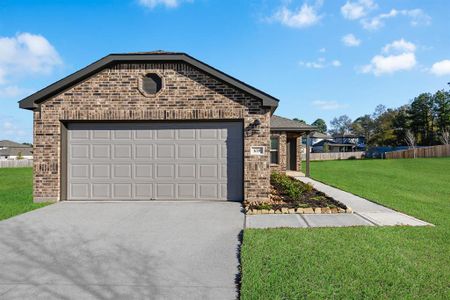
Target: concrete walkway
[(366, 213)]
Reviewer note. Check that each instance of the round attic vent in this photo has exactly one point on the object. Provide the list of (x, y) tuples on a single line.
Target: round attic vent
[(151, 83)]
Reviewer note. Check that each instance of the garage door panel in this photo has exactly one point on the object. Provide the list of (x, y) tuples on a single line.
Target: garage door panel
[(143, 151), (122, 191), (186, 191), (165, 191), (143, 171), (164, 161), (122, 151), (101, 171), (208, 171), (101, 190), (186, 151), (208, 191), (100, 135), (79, 135), (79, 171), (165, 134), (79, 190), (186, 171), (208, 134), (143, 191), (122, 134), (122, 171), (208, 151), (165, 151), (143, 134), (79, 151), (100, 151)]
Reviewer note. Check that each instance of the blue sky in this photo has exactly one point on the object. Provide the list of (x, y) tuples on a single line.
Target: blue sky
[(320, 58)]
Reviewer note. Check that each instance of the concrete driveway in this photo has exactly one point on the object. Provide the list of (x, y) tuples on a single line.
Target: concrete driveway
[(152, 250)]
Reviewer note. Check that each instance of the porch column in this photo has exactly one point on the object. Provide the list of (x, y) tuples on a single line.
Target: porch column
[(307, 154)]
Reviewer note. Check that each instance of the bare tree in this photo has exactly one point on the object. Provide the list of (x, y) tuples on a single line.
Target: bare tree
[(445, 137), (410, 139)]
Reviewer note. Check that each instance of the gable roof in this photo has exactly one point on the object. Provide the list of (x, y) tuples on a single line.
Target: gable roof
[(285, 124), (31, 101)]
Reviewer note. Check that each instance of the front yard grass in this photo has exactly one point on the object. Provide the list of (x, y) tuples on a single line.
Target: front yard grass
[(360, 262), (16, 189)]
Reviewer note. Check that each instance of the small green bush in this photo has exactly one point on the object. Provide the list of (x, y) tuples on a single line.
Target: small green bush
[(293, 188)]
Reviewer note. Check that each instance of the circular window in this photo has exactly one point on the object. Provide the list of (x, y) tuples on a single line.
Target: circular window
[(151, 83)]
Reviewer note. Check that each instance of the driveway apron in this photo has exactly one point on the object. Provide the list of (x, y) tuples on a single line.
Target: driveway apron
[(117, 250)]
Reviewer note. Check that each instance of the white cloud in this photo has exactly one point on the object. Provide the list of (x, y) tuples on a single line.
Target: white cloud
[(398, 56), (357, 9), (336, 63), (11, 91), (320, 63), (305, 16), (322, 50), (328, 105), (350, 40), (441, 68), (167, 3), (26, 53), (417, 17), (399, 46)]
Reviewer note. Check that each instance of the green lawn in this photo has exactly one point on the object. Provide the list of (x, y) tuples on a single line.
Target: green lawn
[(16, 186), (361, 263)]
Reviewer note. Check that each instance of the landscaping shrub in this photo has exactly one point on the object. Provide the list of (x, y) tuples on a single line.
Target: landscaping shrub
[(291, 187)]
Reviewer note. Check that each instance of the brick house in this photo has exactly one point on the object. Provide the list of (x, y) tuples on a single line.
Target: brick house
[(157, 126)]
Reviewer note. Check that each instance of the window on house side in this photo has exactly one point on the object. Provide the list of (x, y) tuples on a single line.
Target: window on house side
[(274, 150)]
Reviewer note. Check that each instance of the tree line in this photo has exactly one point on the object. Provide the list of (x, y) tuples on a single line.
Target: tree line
[(426, 119)]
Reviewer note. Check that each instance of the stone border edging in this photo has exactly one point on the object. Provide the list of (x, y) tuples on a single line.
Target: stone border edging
[(308, 210)]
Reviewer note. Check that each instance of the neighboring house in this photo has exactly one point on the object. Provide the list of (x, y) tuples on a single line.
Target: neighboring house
[(315, 138), (348, 138), (157, 125), (12, 150), (332, 146), (337, 143)]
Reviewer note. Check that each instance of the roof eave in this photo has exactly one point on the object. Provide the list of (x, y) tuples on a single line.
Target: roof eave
[(291, 129), (31, 101)]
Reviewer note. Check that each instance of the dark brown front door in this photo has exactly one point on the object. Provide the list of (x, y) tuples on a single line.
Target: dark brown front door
[(291, 154)]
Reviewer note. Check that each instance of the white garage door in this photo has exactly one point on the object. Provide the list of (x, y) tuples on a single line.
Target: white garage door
[(155, 161)]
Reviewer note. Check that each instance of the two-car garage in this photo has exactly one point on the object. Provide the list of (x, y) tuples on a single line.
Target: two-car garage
[(155, 161)]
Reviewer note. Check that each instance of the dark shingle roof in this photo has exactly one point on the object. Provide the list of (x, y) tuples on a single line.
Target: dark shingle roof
[(280, 123), (31, 102)]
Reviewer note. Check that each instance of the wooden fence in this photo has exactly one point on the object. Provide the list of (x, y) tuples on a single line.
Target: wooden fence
[(21, 163), (334, 155), (433, 151)]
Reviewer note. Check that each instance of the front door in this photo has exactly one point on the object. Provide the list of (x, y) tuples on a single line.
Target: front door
[(291, 154)]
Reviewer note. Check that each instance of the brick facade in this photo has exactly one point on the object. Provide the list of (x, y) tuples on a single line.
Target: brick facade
[(282, 150), (113, 95)]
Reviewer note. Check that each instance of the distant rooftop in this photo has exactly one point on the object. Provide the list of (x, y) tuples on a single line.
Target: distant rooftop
[(8, 143), (320, 135)]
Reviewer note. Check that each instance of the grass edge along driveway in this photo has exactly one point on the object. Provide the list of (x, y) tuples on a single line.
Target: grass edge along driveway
[(16, 190), (364, 262)]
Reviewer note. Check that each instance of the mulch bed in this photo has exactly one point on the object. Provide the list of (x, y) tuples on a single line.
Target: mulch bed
[(293, 196)]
